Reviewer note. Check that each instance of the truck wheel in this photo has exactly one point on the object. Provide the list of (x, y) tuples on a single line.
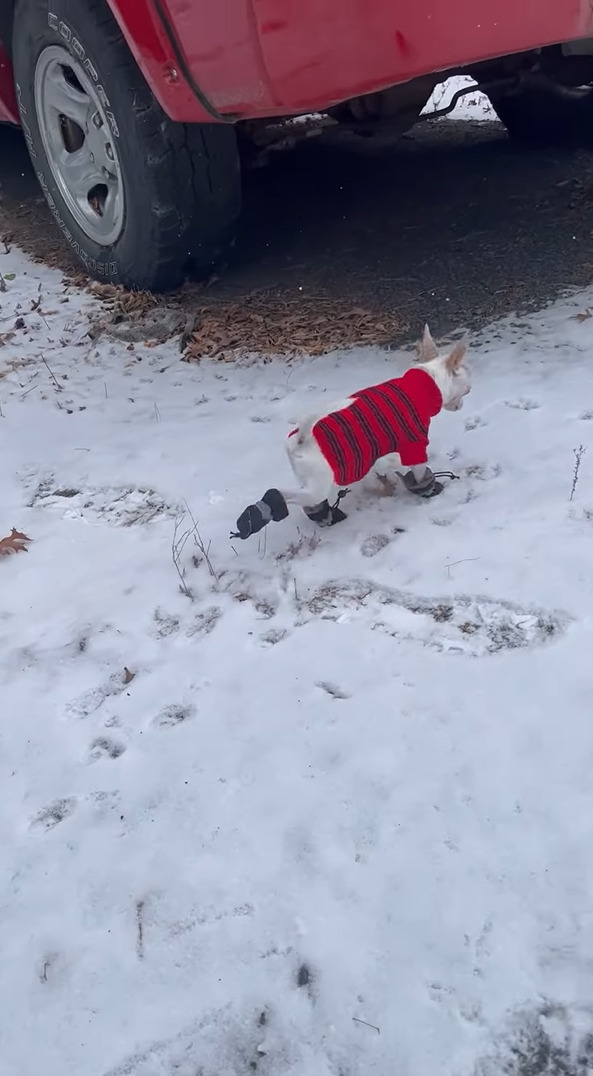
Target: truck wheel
[(544, 113), (142, 201)]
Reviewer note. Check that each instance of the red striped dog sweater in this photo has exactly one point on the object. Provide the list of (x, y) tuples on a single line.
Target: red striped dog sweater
[(391, 417)]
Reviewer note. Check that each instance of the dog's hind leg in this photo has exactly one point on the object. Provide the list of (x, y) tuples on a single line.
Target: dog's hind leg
[(318, 494)]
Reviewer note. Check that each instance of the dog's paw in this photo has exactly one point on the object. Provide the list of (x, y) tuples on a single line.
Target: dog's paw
[(386, 486)]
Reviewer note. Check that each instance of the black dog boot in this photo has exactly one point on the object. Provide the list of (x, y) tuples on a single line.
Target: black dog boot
[(426, 487), (326, 514), (320, 514), (272, 507)]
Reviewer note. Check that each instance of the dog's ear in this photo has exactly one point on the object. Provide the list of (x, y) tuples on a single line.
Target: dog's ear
[(455, 359), (426, 348)]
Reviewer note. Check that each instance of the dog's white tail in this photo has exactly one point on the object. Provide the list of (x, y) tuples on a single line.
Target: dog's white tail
[(303, 432)]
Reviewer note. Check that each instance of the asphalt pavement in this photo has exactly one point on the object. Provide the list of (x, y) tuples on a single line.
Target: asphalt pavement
[(451, 223)]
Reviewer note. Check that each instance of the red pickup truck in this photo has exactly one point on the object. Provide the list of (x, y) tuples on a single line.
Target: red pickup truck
[(136, 112)]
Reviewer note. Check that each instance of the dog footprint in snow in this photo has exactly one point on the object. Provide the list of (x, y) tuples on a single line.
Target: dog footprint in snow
[(523, 404), (260, 1050), (164, 624), (91, 700), (170, 716), (475, 422), (482, 471), (49, 817), (439, 991), (374, 544), (104, 804), (304, 546), (272, 637), (332, 689), (204, 622), (305, 980), (104, 747)]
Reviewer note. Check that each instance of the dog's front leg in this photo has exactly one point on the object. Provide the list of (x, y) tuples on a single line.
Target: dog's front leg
[(388, 464), (386, 470)]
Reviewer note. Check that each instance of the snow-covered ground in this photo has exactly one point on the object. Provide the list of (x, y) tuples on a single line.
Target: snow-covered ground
[(330, 811), (473, 106)]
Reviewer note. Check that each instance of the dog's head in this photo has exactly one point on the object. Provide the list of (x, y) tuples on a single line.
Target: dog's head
[(449, 371)]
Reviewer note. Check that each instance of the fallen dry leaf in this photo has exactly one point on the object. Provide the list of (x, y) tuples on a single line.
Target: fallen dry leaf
[(584, 316), (126, 302), (267, 324), (128, 675), (15, 542)]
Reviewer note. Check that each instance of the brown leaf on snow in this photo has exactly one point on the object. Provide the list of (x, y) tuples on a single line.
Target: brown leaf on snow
[(583, 316), (15, 542), (5, 338), (128, 675)]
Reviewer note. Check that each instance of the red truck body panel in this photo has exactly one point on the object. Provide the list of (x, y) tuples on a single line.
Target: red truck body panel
[(8, 109), (271, 57), (232, 59)]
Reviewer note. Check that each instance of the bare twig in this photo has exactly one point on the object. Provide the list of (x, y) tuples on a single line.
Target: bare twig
[(204, 549), (27, 391), (140, 929), (465, 560), (177, 544), (578, 455), (51, 373), (366, 1024)]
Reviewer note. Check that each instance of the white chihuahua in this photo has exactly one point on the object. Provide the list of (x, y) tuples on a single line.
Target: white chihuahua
[(383, 427)]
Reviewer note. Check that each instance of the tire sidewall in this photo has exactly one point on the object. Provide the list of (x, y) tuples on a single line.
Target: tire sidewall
[(59, 23)]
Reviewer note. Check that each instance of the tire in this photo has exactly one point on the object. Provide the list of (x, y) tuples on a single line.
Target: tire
[(544, 114), (141, 200)]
